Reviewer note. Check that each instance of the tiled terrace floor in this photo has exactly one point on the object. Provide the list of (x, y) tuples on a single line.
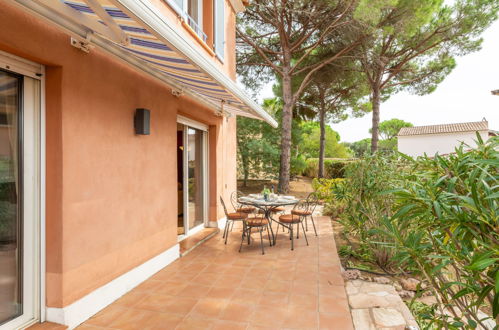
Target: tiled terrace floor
[(216, 287)]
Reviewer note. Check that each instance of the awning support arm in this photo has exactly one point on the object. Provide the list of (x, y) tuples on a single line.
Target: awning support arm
[(111, 24), (79, 18)]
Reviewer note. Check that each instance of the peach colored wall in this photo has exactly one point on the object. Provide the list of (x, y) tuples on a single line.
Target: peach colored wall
[(111, 197)]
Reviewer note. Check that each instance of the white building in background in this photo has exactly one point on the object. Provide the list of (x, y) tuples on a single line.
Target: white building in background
[(441, 139)]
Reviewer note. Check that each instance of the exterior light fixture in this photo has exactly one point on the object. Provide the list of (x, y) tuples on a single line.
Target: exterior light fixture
[(142, 121)]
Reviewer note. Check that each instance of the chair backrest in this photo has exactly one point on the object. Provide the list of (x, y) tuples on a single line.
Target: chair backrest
[(302, 205), (225, 208), (234, 199), (312, 201)]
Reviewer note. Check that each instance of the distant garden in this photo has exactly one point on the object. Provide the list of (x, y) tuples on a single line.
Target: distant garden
[(433, 218)]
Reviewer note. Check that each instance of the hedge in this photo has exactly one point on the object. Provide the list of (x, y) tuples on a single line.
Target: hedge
[(333, 168)]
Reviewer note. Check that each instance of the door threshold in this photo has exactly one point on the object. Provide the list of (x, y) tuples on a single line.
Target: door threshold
[(191, 242)]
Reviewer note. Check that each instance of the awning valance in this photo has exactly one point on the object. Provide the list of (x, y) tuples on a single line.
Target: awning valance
[(135, 31)]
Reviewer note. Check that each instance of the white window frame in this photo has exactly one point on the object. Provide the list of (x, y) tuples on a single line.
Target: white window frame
[(190, 123), (34, 190), (219, 53)]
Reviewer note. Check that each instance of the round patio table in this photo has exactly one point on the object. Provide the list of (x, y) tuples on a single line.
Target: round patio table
[(267, 205)]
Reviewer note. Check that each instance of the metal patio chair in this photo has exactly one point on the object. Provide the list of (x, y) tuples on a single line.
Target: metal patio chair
[(231, 218), (255, 222), (289, 220), (234, 199), (311, 203)]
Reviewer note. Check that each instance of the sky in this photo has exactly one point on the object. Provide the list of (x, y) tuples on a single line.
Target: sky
[(464, 95)]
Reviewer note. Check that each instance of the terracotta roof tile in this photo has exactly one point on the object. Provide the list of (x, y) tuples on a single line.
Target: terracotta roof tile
[(445, 128)]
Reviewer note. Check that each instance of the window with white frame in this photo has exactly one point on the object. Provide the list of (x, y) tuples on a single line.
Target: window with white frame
[(192, 12), (219, 28)]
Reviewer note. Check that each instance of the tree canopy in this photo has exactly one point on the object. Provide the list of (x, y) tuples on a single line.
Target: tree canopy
[(309, 142), (281, 38), (389, 129), (412, 45)]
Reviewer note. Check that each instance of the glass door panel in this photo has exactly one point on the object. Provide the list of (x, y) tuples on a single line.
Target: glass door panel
[(196, 162), (11, 234)]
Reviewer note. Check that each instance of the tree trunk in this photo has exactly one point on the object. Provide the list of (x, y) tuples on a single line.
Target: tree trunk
[(245, 171), (287, 120), (375, 99), (322, 145)]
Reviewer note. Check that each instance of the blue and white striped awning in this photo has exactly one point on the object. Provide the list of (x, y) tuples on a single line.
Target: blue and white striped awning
[(195, 76)]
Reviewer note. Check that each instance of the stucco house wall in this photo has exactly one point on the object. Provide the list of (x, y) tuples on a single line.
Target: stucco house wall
[(431, 144), (111, 196)]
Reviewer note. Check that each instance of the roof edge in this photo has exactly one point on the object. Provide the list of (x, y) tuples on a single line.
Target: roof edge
[(456, 129)]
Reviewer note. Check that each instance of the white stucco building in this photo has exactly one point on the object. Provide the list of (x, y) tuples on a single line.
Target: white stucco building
[(441, 139)]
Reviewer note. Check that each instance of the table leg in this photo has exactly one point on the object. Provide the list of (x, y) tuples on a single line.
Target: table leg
[(269, 218)]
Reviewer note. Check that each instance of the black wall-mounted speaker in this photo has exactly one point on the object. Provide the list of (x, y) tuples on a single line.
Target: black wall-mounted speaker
[(142, 121)]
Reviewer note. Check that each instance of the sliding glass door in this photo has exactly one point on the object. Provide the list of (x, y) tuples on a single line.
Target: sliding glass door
[(192, 178), (11, 249), (19, 104)]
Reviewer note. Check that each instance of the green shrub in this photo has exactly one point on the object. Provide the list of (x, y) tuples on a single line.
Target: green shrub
[(434, 217), (298, 165), (446, 226), (312, 168), (324, 190), (333, 168)]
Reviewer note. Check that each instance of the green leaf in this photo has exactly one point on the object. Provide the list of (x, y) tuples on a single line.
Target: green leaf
[(482, 264)]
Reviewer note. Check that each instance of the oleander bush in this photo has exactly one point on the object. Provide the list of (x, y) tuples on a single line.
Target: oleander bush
[(446, 227), (437, 218)]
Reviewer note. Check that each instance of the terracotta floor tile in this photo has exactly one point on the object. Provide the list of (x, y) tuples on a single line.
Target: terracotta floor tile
[(164, 274), (216, 287), (335, 322), (209, 307), (130, 299), (181, 305), (204, 278), (237, 312), (80, 327), (228, 280), (304, 301), (136, 319), (332, 290), (272, 299), (195, 323), (269, 317), (259, 327), (332, 304), (296, 319), (194, 291), (247, 296), (107, 316), (221, 292), (167, 321), (254, 281), (171, 287), (279, 286), (227, 325), (148, 286), (155, 302), (303, 287)]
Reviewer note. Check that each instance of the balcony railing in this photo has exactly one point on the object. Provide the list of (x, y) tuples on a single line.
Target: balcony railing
[(194, 25)]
